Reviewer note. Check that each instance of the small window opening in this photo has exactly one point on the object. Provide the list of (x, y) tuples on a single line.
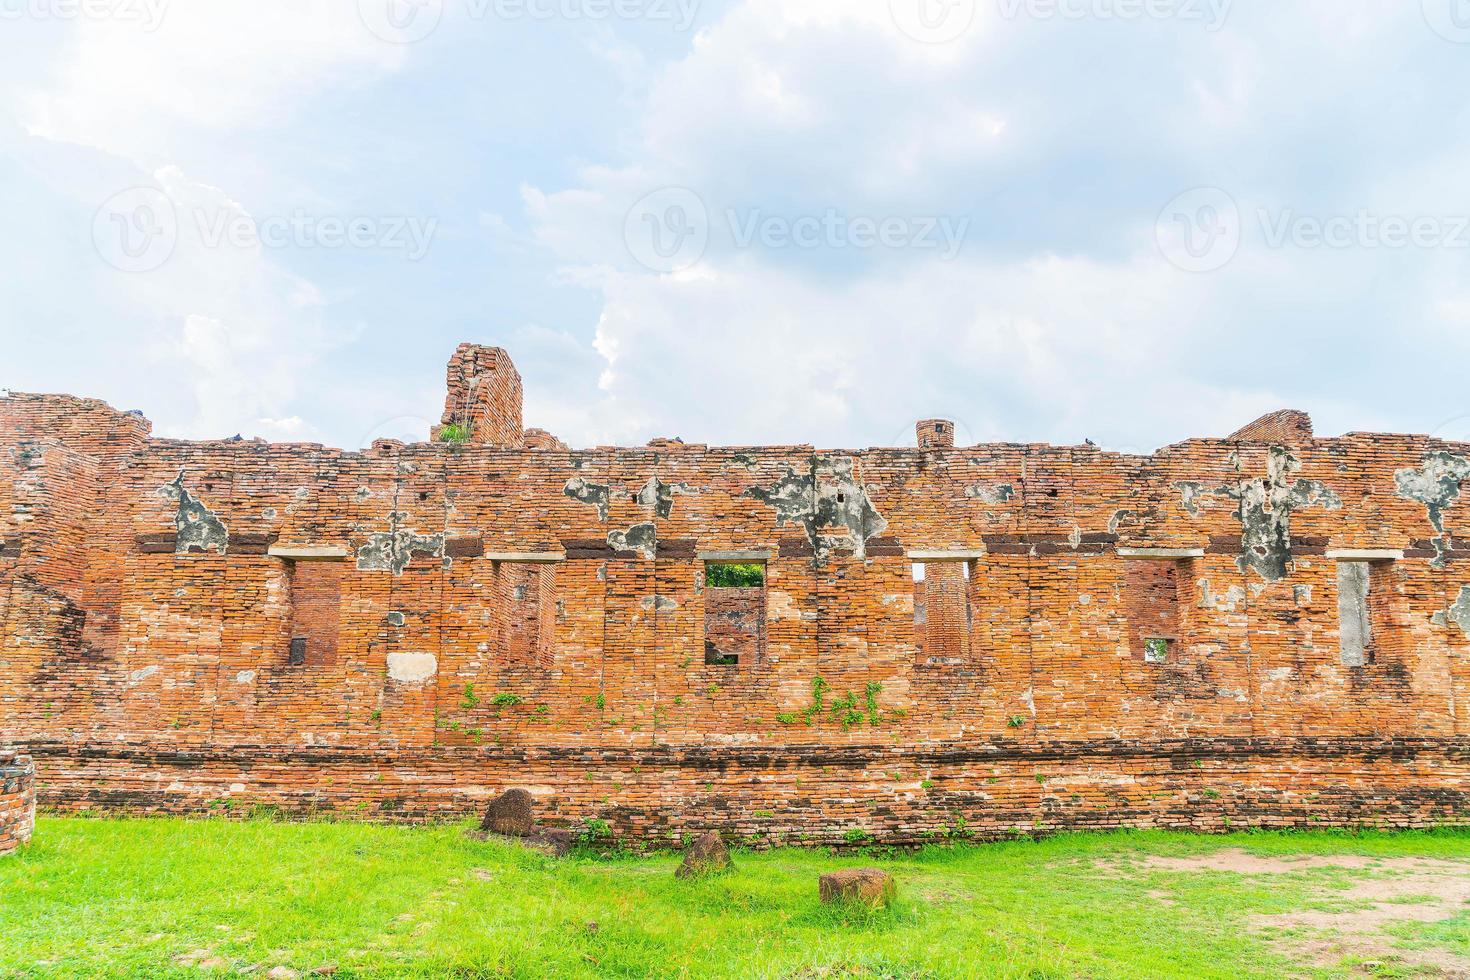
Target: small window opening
[(1156, 649), (942, 612), (734, 613)]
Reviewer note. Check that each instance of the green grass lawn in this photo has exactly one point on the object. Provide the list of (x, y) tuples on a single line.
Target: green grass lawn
[(165, 898)]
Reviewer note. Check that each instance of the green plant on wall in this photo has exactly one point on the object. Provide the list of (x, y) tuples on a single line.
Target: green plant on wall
[(457, 433), (846, 710)]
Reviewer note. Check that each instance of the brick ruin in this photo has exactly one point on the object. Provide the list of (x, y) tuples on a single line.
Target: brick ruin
[(1268, 629), (17, 801)]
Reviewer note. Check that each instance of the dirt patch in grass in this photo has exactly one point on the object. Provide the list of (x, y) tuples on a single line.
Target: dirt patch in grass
[(1357, 927), (1246, 863)]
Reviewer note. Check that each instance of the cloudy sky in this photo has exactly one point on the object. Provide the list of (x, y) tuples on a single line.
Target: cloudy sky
[(742, 221)]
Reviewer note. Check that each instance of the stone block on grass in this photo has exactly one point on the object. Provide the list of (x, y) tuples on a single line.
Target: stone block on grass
[(858, 886), (706, 855), (511, 814)]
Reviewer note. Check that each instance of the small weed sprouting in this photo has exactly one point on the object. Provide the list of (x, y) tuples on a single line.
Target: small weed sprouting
[(594, 831), (455, 433)]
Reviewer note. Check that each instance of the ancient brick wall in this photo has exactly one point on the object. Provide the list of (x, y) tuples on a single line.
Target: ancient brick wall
[(17, 800), (508, 611)]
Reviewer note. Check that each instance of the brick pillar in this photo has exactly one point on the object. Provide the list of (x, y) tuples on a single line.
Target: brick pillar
[(17, 800), (935, 434), (484, 398)]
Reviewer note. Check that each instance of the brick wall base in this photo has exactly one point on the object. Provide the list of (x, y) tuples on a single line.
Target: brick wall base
[(17, 800), (795, 794)]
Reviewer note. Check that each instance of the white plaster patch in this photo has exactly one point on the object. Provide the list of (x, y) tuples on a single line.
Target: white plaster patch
[(142, 673), (742, 738), (245, 677), (781, 606), (1093, 779), (412, 668)]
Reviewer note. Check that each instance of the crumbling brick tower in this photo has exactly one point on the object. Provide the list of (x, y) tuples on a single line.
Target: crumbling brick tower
[(1266, 629), (484, 398)]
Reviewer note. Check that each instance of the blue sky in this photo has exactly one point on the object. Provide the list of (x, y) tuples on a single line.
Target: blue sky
[(744, 221)]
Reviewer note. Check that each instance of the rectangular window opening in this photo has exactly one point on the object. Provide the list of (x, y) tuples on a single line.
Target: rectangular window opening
[(1355, 613), (1152, 607), (734, 613), (942, 612), (528, 594), (314, 590)]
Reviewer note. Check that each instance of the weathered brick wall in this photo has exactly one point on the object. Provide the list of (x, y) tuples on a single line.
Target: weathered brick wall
[(17, 800), (507, 615)]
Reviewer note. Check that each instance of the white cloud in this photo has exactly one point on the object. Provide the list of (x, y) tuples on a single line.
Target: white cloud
[(119, 105), (1053, 324), (220, 67)]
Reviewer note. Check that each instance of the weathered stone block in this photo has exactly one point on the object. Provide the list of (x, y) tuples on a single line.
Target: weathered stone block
[(511, 813), (706, 854), (865, 886)]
